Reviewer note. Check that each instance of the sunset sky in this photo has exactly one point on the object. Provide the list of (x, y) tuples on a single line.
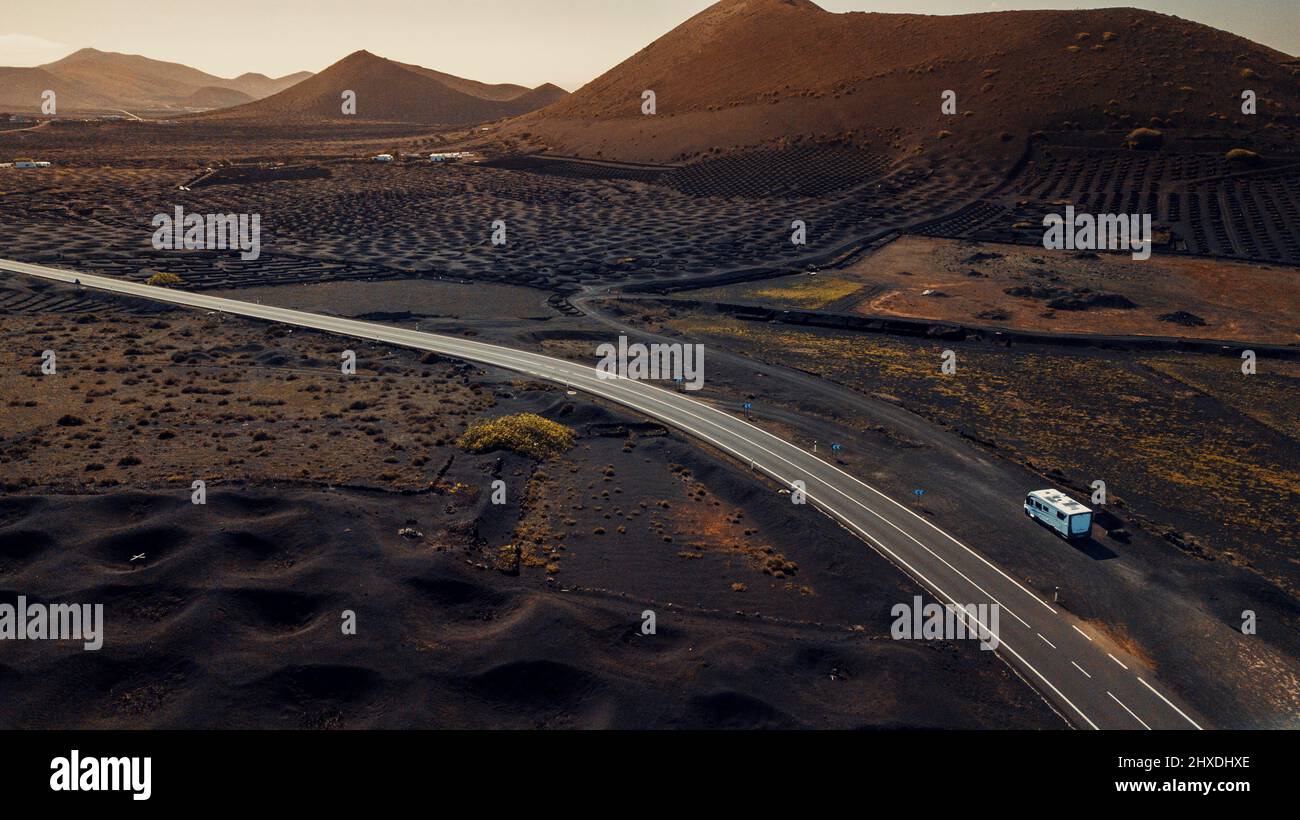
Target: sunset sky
[(568, 42)]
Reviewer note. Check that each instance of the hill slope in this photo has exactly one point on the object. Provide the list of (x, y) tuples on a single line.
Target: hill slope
[(389, 91), (21, 90), (748, 72)]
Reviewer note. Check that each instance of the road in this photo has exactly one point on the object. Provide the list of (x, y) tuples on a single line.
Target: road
[(1092, 684)]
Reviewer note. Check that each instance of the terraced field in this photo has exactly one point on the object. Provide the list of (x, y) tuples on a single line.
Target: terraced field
[(1201, 203)]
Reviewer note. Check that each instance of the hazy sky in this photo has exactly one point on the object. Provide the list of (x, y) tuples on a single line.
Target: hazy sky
[(526, 41)]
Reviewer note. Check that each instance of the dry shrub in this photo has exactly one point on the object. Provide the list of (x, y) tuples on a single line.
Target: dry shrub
[(1145, 139), (525, 433), (162, 280)]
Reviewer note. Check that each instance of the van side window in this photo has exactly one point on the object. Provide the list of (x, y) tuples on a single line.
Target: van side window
[(1061, 515)]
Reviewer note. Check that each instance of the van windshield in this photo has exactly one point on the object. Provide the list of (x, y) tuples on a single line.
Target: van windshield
[(1081, 523)]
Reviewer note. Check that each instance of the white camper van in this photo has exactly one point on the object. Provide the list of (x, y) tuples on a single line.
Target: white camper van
[(1067, 517)]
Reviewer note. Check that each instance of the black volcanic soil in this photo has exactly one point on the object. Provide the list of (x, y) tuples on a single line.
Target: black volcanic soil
[(1199, 463), (359, 500)]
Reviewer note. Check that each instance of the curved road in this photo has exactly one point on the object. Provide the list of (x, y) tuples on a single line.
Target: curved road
[(1092, 685)]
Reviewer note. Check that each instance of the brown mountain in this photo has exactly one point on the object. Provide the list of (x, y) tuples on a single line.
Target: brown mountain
[(751, 72), (93, 80), (389, 91)]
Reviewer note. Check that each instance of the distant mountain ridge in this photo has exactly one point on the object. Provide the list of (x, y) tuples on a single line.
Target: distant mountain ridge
[(90, 80)]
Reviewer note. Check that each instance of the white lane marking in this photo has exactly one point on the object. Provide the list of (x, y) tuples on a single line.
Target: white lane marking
[(1130, 711), (859, 481), (1081, 669), (1080, 631), (912, 513), (1117, 660), (615, 382), (1171, 705), (1049, 643), (392, 335)]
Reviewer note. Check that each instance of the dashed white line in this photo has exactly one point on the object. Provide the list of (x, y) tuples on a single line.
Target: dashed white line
[(1118, 661), (1080, 631), (1130, 711), (1171, 705), (1081, 669), (1049, 643)]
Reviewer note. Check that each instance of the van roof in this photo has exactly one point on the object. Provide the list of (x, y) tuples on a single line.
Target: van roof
[(1060, 501)]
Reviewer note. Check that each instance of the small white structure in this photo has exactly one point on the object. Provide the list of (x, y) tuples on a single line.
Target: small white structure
[(383, 158), (453, 156), (1067, 517), (30, 163)]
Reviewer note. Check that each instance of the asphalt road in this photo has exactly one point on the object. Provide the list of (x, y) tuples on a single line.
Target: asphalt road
[(1092, 683)]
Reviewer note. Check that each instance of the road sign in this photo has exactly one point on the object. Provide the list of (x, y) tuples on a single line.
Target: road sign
[(837, 447), (918, 493)]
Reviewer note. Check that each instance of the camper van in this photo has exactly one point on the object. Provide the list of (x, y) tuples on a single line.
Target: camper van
[(382, 158), (1067, 517)]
